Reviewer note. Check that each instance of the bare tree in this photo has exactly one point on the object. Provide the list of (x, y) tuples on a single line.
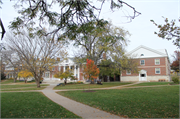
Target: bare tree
[(36, 53), (12, 62)]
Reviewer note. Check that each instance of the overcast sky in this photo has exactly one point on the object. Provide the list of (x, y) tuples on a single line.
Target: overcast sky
[(141, 29)]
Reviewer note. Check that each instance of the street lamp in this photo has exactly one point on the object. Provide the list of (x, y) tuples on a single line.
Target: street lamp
[(2, 30)]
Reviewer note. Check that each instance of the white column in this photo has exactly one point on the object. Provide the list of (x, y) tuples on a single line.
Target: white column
[(75, 70), (64, 68), (78, 74)]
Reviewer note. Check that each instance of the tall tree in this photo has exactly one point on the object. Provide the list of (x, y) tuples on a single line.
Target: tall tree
[(96, 38), (90, 70), (70, 13), (106, 68), (36, 53), (12, 62), (170, 31), (118, 62)]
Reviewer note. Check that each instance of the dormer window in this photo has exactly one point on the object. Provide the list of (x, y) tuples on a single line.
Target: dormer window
[(142, 54)]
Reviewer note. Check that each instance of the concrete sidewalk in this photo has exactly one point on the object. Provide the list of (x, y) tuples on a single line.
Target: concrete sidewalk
[(77, 108)]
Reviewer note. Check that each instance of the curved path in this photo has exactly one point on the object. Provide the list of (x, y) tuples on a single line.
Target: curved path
[(77, 108)]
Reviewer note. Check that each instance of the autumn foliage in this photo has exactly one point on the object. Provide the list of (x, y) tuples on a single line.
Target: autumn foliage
[(25, 74), (90, 70), (175, 64)]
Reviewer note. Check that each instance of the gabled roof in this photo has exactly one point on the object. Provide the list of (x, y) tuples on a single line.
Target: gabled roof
[(146, 52)]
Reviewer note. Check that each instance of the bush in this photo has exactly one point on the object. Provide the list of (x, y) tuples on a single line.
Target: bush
[(3, 76), (11, 79), (175, 79), (79, 82)]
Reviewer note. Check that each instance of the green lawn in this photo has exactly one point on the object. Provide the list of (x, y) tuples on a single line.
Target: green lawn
[(151, 84), (152, 102), (23, 89), (7, 81), (87, 86), (21, 86), (31, 105)]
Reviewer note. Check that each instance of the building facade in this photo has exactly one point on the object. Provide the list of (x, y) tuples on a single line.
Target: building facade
[(62, 66), (154, 65)]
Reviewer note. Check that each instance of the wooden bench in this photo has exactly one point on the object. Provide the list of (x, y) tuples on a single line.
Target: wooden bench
[(161, 80)]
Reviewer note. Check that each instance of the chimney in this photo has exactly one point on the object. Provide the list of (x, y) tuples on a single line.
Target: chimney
[(58, 59), (104, 56)]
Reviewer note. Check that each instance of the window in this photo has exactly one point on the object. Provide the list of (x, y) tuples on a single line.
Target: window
[(157, 61), (142, 62), (157, 71), (53, 68), (47, 75), (128, 72), (142, 54)]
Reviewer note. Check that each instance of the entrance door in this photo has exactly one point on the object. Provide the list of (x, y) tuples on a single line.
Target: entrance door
[(143, 75)]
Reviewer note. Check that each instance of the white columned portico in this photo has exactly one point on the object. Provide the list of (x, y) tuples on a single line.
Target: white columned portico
[(78, 74), (75, 70), (64, 68)]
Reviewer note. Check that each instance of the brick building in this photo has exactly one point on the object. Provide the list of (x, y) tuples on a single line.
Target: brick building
[(154, 65)]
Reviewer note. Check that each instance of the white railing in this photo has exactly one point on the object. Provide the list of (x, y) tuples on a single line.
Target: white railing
[(55, 79)]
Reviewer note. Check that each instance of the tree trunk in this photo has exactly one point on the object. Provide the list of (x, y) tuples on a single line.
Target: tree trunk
[(65, 81), (38, 82), (14, 80), (15, 77), (25, 80)]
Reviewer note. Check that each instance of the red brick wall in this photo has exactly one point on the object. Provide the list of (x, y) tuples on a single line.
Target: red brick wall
[(62, 68), (151, 61), (81, 73), (150, 67)]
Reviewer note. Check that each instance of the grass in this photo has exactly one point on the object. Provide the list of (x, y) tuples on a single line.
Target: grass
[(87, 86), (31, 105), (7, 81), (23, 89), (156, 102), (151, 84), (21, 86)]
